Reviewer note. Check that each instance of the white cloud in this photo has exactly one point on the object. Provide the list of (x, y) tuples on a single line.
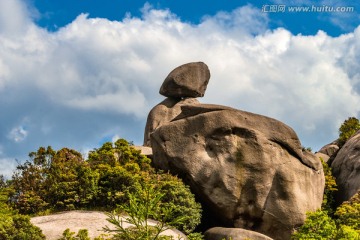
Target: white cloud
[(96, 77), (18, 134)]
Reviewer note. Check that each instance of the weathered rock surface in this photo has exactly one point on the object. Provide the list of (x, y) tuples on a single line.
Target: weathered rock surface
[(330, 149), (219, 233), (54, 225), (188, 80), (163, 113), (346, 169), (322, 156), (147, 151), (248, 169)]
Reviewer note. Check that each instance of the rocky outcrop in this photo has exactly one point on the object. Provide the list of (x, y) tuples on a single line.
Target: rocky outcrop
[(219, 233), (346, 169), (248, 169), (188, 80), (54, 225)]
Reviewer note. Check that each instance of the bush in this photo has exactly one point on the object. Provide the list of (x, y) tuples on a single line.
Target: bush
[(144, 203), (12, 225), (347, 129), (348, 213), (328, 203), (318, 225)]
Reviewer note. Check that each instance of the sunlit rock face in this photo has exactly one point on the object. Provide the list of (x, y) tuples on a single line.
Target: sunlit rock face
[(248, 169), (346, 169)]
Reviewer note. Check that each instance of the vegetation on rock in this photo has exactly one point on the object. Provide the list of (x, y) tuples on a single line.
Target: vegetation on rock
[(52, 181), (347, 129)]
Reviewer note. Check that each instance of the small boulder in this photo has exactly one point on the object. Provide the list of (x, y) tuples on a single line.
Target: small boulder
[(220, 233), (188, 80), (330, 149), (346, 169), (322, 156)]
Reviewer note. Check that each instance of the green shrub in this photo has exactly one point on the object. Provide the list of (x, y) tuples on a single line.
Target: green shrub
[(328, 203), (18, 227), (144, 203), (348, 213), (62, 180), (318, 225), (347, 129)]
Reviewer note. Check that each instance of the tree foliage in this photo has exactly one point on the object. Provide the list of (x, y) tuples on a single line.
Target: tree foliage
[(62, 180), (347, 129), (318, 225), (328, 203), (14, 226), (144, 203), (348, 213)]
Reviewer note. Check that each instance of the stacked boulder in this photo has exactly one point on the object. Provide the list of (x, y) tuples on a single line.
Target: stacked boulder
[(249, 171), (181, 87)]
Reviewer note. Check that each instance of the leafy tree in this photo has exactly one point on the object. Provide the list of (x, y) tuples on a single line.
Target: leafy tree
[(28, 182), (347, 129), (12, 225), (62, 180), (2, 181)]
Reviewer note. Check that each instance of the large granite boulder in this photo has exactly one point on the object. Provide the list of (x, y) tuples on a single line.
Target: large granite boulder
[(346, 169), (188, 80), (248, 169), (220, 233), (164, 112)]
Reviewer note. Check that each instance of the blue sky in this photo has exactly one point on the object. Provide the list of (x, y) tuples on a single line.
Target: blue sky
[(78, 73), (55, 14)]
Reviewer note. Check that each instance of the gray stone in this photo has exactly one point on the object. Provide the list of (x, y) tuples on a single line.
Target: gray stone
[(220, 233), (248, 170), (330, 149), (322, 156), (346, 169), (54, 225), (147, 151), (188, 80), (164, 112)]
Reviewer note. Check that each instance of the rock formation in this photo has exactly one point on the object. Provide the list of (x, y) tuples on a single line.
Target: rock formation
[(219, 233), (54, 225), (346, 169), (188, 80), (248, 170)]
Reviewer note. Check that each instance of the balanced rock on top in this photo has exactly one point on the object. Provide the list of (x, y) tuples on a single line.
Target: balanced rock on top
[(188, 80), (181, 87)]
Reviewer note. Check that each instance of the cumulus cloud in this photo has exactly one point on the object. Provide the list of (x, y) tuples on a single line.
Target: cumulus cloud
[(96, 78), (18, 134)]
